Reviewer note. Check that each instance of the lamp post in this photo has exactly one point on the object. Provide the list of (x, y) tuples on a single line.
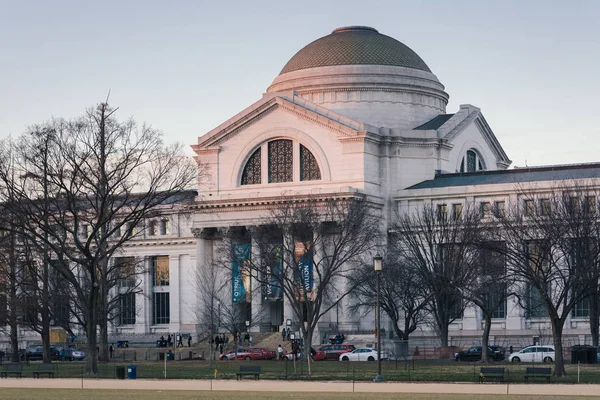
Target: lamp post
[(378, 266), (337, 316), (218, 315)]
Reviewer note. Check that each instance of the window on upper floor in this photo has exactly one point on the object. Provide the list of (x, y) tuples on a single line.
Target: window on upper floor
[(472, 162), (457, 211), (281, 164)]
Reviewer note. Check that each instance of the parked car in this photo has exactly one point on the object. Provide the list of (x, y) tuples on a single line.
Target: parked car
[(266, 353), (69, 354), (534, 354), (362, 354), (495, 353), (36, 353), (243, 353), (332, 351)]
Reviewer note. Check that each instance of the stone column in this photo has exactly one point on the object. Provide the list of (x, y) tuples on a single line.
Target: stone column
[(258, 311), (144, 319), (288, 266), (174, 296)]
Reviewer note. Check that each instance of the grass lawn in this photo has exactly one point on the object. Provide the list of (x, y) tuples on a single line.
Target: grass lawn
[(421, 371), (75, 394)]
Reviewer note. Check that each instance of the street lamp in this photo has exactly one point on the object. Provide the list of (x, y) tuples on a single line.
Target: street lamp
[(337, 316), (218, 315), (378, 266)]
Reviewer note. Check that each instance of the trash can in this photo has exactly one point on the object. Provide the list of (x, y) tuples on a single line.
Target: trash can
[(131, 372), (583, 354), (170, 356), (120, 372), (161, 343)]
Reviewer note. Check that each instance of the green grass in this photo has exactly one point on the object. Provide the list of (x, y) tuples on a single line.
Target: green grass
[(421, 371), (77, 394)]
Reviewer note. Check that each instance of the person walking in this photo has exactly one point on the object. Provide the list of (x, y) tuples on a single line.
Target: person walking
[(179, 340), (283, 334), (279, 352), (110, 350), (169, 340), (190, 340)]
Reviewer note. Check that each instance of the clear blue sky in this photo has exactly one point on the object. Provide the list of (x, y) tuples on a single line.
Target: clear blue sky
[(186, 66)]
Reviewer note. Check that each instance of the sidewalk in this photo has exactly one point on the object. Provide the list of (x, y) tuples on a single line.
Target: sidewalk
[(302, 386)]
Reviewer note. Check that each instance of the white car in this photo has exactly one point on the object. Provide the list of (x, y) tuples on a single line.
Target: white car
[(534, 354), (362, 354)]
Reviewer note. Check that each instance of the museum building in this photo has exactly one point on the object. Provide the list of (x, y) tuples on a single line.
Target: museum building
[(353, 113)]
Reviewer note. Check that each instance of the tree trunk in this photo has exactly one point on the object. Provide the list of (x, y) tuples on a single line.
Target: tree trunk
[(594, 317), (559, 363), (14, 338), (45, 311), (307, 347), (103, 339), (486, 337)]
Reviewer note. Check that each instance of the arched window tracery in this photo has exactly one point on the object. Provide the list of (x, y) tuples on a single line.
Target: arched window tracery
[(472, 162), (252, 170), (285, 161)]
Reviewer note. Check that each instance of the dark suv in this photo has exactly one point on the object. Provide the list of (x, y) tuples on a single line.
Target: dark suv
[(474, 354), (36, 353), (332, 351)]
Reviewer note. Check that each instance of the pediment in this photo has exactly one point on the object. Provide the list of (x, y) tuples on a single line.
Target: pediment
[(470, 115), (339, 124)]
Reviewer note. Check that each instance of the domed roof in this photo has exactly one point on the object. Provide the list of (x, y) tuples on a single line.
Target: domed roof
[(353, 45)]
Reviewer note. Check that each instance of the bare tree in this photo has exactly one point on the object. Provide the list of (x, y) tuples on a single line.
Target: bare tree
[(552, 247), (403, 296), (491, 287), (442, 249), (102, 179), (307, 248)]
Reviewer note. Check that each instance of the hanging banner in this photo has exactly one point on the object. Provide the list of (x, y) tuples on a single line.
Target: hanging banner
[(304, 271), (240, 278), (273, 290)]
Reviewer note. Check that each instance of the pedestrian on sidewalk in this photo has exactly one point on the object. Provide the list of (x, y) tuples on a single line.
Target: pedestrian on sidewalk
[(190, 340), (279, 352)]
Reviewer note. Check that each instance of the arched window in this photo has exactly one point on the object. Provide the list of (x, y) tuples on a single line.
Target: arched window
[(252, 170), (472, 162), (286, 161), (281, 161), (309, 169)]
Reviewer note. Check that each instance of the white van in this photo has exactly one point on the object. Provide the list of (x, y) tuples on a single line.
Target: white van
[(534, 354)]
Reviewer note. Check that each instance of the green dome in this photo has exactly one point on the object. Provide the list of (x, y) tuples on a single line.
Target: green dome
[(355, 45)]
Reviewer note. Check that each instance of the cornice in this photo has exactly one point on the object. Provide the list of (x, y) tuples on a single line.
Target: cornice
[(172, 242)]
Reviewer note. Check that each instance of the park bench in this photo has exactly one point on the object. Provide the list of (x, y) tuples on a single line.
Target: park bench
[(495, 373), (537, 372), (248, 370), (12, 369), (48, 369)]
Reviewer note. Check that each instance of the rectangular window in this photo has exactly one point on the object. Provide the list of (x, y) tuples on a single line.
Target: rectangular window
[(535, 304), (456, 309), (590, 205), (582, 308), (484, 209), (457, 211), (529, 208), (442, 209), (160, 271), (574, 205), (537, 256), (126, 268), (493, 300), (127, 309), (165, 229), (161, 306), (499, 209), (545, 207), (153, 228)]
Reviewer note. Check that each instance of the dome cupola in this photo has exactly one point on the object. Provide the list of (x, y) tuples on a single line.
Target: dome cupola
[(367, 76)]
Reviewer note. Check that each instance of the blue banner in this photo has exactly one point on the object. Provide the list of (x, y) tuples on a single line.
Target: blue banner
[(304, 273), (240, 278), (274, 290)]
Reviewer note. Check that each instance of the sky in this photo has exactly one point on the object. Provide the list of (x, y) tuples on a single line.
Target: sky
[(186, 66)]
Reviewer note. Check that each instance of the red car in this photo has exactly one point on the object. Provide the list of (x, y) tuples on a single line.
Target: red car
[(333, 351), (266, 354), (248, 353)]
